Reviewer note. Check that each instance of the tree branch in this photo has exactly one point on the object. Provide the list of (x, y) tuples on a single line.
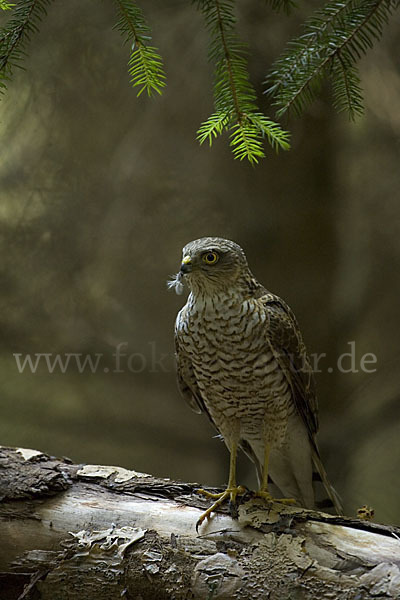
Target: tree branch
[(94, 532), (228, 64)]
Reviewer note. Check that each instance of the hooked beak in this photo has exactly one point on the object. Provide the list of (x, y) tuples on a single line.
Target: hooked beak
[(186, 265)]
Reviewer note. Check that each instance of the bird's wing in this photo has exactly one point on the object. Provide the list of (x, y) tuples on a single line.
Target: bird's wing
[(187, 383), (186, 377), (290, 352)]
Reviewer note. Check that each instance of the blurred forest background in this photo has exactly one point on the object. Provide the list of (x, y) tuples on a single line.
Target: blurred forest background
[(100, 191)]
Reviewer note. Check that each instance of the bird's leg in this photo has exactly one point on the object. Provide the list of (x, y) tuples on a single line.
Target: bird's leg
[(231, 491), (263, 491)]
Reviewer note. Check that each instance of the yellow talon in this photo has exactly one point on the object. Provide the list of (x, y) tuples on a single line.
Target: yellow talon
[(210, 494), (230, 492), (267, 496), (233, 491)]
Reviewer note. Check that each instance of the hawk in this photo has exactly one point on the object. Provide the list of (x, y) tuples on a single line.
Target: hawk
[(242, 361)]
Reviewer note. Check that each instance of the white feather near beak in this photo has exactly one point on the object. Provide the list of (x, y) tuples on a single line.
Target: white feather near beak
[(176, 282)]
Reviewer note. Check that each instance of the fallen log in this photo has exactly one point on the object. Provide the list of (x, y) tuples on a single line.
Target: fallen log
[(98, 532)]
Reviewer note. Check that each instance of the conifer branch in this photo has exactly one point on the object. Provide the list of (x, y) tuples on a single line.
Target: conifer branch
[(298, 50), (228, 60), (212, 127), (4, 5), (346, 82), (347, 93), (17, 33), (285, 5), (234, 96), (334, 39), (145, 63)]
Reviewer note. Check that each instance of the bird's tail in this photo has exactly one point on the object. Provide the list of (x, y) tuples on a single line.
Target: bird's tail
[(326, 497)]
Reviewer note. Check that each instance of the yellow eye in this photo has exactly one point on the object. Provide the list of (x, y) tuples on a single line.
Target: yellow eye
[(210, 258)]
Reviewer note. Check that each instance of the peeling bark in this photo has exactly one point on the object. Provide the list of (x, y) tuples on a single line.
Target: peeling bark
[(96, 532)]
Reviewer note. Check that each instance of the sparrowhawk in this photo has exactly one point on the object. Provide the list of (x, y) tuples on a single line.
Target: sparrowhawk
[(241, 360)]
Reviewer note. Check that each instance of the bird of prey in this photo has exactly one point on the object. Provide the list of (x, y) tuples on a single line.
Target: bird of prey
[(241, 360)]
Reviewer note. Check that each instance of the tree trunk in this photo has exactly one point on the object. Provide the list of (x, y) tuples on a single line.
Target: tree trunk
[(96, 532)]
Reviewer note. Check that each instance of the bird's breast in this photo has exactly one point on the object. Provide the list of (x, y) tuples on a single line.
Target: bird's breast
[(228, 346), (235, 365)]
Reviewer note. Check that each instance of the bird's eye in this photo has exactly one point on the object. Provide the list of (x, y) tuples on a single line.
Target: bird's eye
[(210, 258)]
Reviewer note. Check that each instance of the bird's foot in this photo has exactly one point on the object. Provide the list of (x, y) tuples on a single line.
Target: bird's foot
[(267, 496), (230, 493)]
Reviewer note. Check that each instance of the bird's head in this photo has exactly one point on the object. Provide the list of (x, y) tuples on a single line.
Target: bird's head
[(210, 264)]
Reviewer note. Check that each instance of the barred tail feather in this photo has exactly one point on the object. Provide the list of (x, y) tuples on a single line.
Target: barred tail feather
[(326, 497)]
